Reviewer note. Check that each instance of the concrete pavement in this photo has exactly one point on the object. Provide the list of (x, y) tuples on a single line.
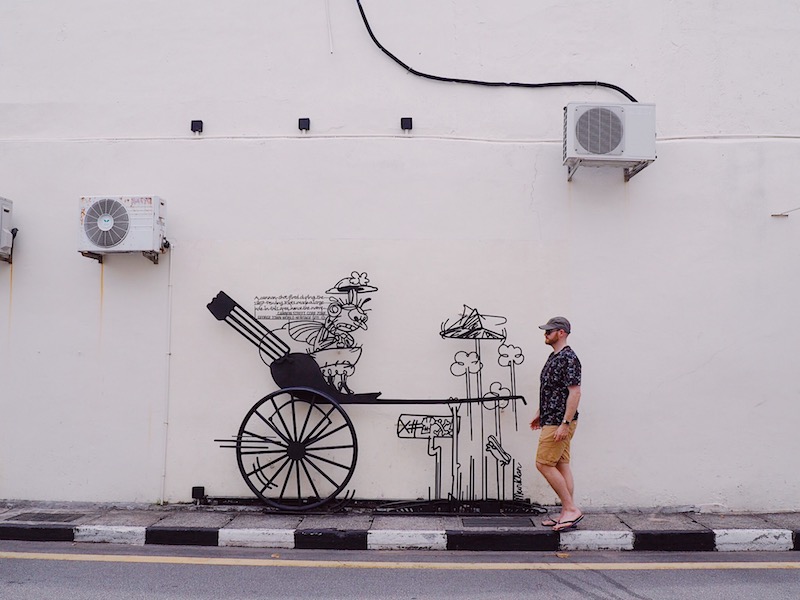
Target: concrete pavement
[(189, 524)]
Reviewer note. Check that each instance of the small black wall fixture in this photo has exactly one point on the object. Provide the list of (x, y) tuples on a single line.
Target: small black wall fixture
[(304, 124), (406, 123), (197, 126), (198, 494)]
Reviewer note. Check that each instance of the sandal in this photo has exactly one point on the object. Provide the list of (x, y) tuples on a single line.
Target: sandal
[(566, 525)]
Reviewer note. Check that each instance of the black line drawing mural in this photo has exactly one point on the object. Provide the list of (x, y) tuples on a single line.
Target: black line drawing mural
[(297, 449), (489, 466)]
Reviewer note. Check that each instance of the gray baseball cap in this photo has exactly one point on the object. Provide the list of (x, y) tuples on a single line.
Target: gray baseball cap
[(557, 323)]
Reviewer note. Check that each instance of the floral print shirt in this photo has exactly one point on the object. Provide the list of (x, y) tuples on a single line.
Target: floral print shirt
[(561, 370)]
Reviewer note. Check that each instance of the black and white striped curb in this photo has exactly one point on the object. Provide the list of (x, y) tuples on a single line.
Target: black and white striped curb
[(722, 540)]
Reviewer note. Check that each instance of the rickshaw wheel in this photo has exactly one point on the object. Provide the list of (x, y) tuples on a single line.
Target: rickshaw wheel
[(296, 449)]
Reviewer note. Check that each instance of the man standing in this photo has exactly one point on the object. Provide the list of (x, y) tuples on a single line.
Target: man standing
[(557, 417)]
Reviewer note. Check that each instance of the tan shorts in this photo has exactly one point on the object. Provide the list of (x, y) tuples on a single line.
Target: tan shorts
[(551, 452)]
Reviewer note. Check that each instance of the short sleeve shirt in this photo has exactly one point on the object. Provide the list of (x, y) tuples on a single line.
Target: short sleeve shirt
[(561, 370)]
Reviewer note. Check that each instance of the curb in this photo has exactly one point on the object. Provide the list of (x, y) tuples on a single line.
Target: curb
[(712, 540)]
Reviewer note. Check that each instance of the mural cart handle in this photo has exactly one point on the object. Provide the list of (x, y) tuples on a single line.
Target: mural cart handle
[(297, 447)]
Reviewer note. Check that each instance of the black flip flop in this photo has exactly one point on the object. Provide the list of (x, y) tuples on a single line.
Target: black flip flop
[(567, 525), (549, 523)]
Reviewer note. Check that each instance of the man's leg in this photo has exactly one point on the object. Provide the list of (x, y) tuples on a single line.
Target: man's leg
[(558, 475), (566, 472), (561, 486)]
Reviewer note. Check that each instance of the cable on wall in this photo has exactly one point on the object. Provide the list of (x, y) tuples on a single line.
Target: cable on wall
[(488, 83)]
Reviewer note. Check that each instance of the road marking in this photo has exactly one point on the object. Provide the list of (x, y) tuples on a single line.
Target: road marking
[(443, 566)]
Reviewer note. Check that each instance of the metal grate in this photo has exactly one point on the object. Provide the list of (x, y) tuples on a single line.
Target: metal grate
[(599, 131), (42, 517), (497, 522)]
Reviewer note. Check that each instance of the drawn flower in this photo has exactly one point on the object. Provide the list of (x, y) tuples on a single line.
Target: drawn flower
[(495, 390), (509, 355), (465, 362)]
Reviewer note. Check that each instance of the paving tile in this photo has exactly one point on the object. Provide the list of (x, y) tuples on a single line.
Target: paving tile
[(264, 521), (128, 518), (660, 522), (400, 523), (602, 522), (194, 519), (788, 520), (716, 521), (336, 522)]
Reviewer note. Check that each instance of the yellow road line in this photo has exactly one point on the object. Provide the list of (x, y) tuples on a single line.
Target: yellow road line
[(444, 566)]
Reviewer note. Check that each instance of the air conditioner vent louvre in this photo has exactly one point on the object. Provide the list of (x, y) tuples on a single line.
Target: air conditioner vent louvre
[(106, 223), (599, 131)]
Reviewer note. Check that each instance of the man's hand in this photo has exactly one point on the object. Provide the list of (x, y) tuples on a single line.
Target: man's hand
[(561, 433), (535, 423)]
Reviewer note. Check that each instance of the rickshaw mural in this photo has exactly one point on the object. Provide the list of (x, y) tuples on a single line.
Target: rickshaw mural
[(296, 448)]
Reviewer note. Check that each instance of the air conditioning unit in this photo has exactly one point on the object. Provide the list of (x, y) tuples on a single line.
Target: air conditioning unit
[(609, 135), (6, 232), (115, 224)]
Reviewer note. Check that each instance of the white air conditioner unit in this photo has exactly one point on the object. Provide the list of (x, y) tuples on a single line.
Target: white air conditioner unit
[(6, 234), (609, 135), (114, 224)]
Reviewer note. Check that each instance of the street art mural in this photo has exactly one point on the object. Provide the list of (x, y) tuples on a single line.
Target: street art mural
[(297, 447)]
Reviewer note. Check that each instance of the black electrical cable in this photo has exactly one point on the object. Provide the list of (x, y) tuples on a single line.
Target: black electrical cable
[(488, 83)]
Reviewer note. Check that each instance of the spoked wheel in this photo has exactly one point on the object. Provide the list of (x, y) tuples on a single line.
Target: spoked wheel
[(296, 449)]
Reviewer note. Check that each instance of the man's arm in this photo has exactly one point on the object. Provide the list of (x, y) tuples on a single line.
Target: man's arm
[(573, 400)]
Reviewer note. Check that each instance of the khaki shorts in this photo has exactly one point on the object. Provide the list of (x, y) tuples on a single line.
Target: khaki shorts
[(551, 452)]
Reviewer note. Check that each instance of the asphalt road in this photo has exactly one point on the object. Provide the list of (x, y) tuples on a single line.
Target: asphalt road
[(64, 571)]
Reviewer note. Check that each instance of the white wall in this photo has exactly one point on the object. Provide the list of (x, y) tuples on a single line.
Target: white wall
[(680, 285)]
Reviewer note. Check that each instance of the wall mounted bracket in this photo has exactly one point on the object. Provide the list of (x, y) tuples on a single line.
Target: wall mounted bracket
[(94, 255), (629, 172)]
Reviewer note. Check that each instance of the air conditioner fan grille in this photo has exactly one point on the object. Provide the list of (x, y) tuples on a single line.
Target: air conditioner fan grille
[(106, 223), (599, 130)]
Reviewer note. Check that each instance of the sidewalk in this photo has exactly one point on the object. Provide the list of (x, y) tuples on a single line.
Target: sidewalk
[(252, 527)]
